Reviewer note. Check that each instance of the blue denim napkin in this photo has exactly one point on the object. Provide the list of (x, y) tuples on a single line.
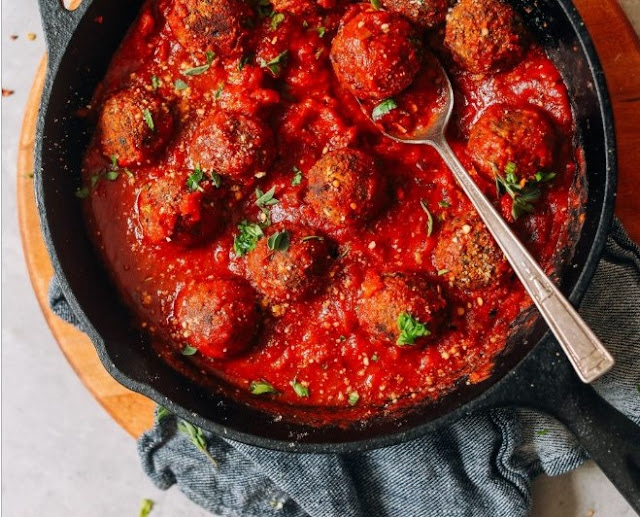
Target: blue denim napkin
[(480, 466)]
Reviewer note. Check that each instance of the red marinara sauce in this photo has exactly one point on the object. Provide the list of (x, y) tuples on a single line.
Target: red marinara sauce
[(262, 229)]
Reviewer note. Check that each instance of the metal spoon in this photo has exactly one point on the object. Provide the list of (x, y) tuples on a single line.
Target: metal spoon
[(587, 354)]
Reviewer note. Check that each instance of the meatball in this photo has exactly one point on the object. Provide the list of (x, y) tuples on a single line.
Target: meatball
[(385, 297), (485, 35), (424, 13), (522, 136), (299, 7), (218, 317), (233, 144), (169, 210), (345, 188), (376, 54), (134, 126), (210, 25), (292, 268), (467, 255)]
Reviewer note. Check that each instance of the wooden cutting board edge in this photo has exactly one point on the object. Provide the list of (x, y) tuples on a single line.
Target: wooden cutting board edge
[(620, 56)]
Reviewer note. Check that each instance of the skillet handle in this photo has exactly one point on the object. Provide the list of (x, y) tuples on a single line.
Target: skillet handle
[(59, 25), (546, 382)]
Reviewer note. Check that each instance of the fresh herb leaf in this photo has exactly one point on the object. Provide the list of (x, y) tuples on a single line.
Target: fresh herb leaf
[(442, 272), (264, 199), (114, 162), (410, 329), (444, 204), (276, 64), (353, 398), (82, 193), (188, 350), (312, 237), (510, 168), (261, 387), (129, 174), (155, 82), (244, 61), (276, 20), (216, 179), (542, 432), (297, 178), (321, 31), (162, 413), (145, 507), (374, 357), (386, 106), (194, 179), (544, 176), (344, 252), (247, 239), (112, 175), (149, 119), (95, 179), (423, 204), (219, 91), (180, 85), (279, 241), (197, 438), (376, 4), (198, 70), (300, 389)]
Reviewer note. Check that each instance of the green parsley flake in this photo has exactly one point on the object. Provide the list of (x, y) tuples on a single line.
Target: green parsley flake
[(354, 397), (265, 199), (145, 507), (247, 239), (180, 85), (162, 413), (297, 177), (321, 31), (383, 108), (276, 64), (194, 179), (112, 175), (198, 70), (542, 432), (444, 204), (197, 438), (523, 194), (376, 4), (149, 119), (155, 82), (300, 389), (410, 329), (279, 241), (442, 272), (82, 193), (189, 350), (276, 20), (216, 179), (423, 204), (261, 387)]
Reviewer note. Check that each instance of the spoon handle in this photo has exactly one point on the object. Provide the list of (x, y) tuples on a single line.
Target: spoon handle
[(587, 354)]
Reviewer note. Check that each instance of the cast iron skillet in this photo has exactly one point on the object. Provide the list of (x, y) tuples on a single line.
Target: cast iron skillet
[(532, 373)]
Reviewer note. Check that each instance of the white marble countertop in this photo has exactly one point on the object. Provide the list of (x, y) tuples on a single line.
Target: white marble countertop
[(62, 455)]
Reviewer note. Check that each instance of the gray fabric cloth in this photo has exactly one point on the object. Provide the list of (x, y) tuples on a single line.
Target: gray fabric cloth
[(480, 466)]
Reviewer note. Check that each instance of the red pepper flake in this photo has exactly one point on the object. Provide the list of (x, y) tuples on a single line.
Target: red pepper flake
[(98, 19), (13, 37), (7, 93)]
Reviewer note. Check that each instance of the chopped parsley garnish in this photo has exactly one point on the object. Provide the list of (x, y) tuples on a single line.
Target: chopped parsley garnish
[(219, 91), (194, 179), (198, 70), (114, 162), (197, 438), (216, 179), (297, 177), (542, 432), (148, 119), (444, 204), (312, 238), (374, 357), (386, 106), (82, 193), (155, 82), (264, 199), (112, 175), (376, 4), (423, 204), (188, 350), (354, 397), (276, 64), (261, 387), (162, 413), (442, 272), (522, 193), (247, 239), (276, 20), (321, 31), (279, 241), (300, 389), (180, 85), (145, 507), (410, 329), (95, 179)]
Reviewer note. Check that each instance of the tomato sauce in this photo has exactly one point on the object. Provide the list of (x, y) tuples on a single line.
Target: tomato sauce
[(318, 342)]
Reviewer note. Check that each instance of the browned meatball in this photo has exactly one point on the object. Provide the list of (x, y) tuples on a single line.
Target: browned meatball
[(210, 25), (298, 7), (384, 298), (218, 317), (345, 188), (522, 136), (233, 144), (134, 126), (376, 54), (467, 255), (424, 13), (293, 267), (485, 35), (169, 210)]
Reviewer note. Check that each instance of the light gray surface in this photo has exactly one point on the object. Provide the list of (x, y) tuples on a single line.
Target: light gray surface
[(62, 455)]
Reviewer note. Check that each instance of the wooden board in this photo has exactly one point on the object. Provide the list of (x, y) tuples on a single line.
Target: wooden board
[(619, 50)]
